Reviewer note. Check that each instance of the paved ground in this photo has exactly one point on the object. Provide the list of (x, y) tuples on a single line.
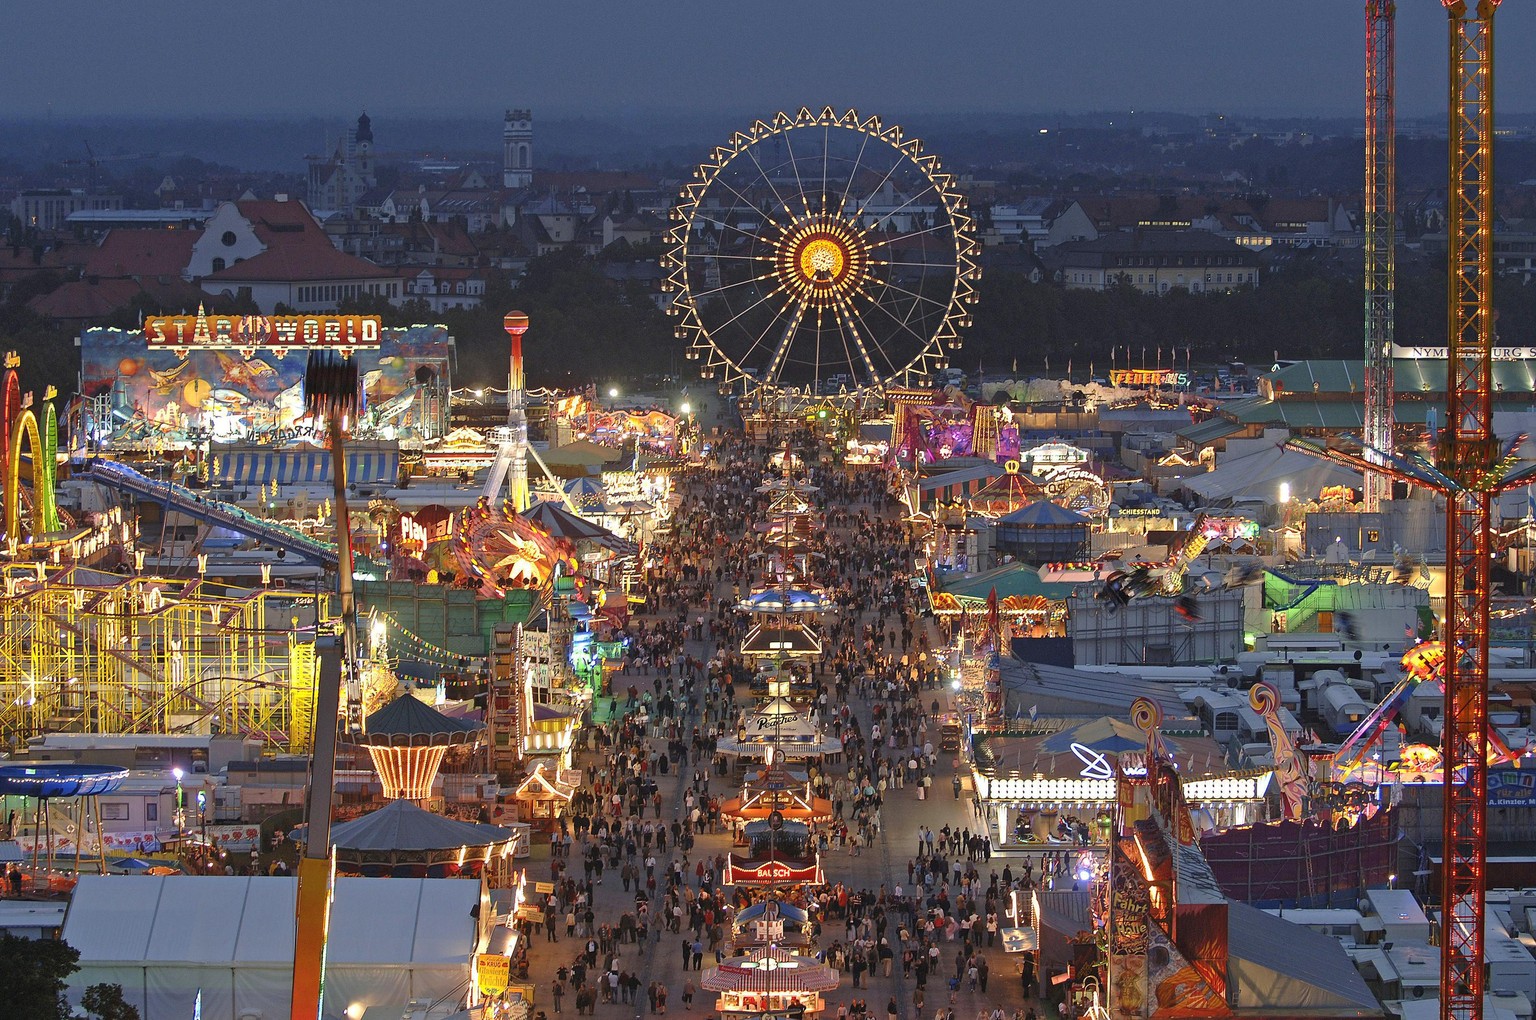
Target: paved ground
[(884, 863)]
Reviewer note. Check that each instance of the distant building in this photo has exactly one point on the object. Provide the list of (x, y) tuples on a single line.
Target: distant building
[(50, 208), (339, 180), (1041, 222), (517, 149), (1155, 262), (443, 288), (277, 253)]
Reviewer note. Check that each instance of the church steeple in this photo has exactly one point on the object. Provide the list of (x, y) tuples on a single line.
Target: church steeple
[(517, 149), (364, 129)]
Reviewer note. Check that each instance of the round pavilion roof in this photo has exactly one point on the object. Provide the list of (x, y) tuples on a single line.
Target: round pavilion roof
[(402, 826), (409, 721)]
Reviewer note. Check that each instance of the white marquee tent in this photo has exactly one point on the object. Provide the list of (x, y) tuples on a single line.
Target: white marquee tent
[(165, 938)]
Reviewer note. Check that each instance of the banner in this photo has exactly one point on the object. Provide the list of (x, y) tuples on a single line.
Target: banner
[(770, 873), (495, 972), (1511, 788)]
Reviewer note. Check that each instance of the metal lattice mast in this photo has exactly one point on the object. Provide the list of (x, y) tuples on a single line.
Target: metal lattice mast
[(1468, 453), (1380, 241)]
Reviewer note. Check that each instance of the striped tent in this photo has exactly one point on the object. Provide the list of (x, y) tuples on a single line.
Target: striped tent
[(367, 464)]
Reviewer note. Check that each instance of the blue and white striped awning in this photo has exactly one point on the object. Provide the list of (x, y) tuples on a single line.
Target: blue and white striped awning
[(373, 464)]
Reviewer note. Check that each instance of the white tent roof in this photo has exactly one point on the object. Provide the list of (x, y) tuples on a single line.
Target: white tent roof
[(1260, 474), (249, 920), (165, 938)]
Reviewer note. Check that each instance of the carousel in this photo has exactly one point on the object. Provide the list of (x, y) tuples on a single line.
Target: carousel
[(770, 980), (777, 853), (777, 731), (402, 840), (787, 791), (770, 922), (408, 740), (1058, 789)]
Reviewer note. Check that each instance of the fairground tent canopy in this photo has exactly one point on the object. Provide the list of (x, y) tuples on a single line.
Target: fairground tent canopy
[(164, 939), (1260, 474)]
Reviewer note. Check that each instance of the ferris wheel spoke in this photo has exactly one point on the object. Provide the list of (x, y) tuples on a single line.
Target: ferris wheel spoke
[(915, 265), (864, 202), (858, 161), (854, 322), (747, 203), (732, 320), (909, 293), (731, 286), (936, 228), (902, 323), (776, 363), (701, 217), (777, 318), (897, 211), (794, 163), (923, 342), (739, 258), (844, 329), (762, 174)]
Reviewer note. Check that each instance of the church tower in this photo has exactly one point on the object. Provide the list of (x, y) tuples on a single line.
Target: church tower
[(517, 149), (362, 142)]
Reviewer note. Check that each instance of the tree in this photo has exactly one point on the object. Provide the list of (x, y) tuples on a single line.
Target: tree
[(105, 1002), (32, 972)]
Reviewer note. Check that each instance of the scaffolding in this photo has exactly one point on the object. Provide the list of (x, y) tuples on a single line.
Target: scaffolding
[(84, 652)]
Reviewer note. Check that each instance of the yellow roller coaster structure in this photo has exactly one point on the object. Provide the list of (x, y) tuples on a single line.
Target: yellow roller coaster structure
[(83, 652)]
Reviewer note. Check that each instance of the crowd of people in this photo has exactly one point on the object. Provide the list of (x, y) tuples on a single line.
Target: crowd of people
[(655, 780)]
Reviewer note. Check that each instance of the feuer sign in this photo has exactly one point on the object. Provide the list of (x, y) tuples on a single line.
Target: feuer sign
[(260, 332)]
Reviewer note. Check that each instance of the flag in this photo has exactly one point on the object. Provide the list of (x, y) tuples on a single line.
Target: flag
[(1034, 712)]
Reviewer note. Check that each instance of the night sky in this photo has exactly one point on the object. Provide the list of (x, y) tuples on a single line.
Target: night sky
[(568, 57)]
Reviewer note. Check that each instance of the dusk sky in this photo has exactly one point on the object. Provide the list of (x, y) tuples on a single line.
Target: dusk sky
[(171, 57)]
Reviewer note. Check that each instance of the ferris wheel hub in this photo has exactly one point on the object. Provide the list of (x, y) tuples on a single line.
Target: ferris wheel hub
[(822, 259)]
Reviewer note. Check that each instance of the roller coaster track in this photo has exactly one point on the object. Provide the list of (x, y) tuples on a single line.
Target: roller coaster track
[(212, 511)]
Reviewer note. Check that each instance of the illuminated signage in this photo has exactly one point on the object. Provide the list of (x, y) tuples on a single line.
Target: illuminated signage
[(1221, 788), (265, 332), (1440, 353), (1095, 765), (1148, 377)]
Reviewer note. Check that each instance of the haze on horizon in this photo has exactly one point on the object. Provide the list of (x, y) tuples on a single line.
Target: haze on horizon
[(89, 58)]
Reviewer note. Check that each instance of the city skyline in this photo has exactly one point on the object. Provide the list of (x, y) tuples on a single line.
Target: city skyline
[(1300, 58)]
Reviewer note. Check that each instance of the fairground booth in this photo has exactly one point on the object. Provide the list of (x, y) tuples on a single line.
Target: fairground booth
[(1058, 787)]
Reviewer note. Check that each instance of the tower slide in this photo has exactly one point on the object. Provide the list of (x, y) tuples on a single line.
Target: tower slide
[(209, 510)]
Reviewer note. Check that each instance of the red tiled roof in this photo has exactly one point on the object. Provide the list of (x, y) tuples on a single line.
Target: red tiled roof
[(84, 301), (297, 249), (124, 253)]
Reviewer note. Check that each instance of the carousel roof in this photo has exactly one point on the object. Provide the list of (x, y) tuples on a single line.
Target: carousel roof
[(409, 720), (771, 969), (1043, 514), (787, 485), (1011, 488), (766, 909), (561, 523), (795, 639), (401, 825), (785, 600), (1107, 735)]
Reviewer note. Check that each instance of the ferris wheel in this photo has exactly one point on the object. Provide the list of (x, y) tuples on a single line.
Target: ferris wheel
[(822, 253)]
